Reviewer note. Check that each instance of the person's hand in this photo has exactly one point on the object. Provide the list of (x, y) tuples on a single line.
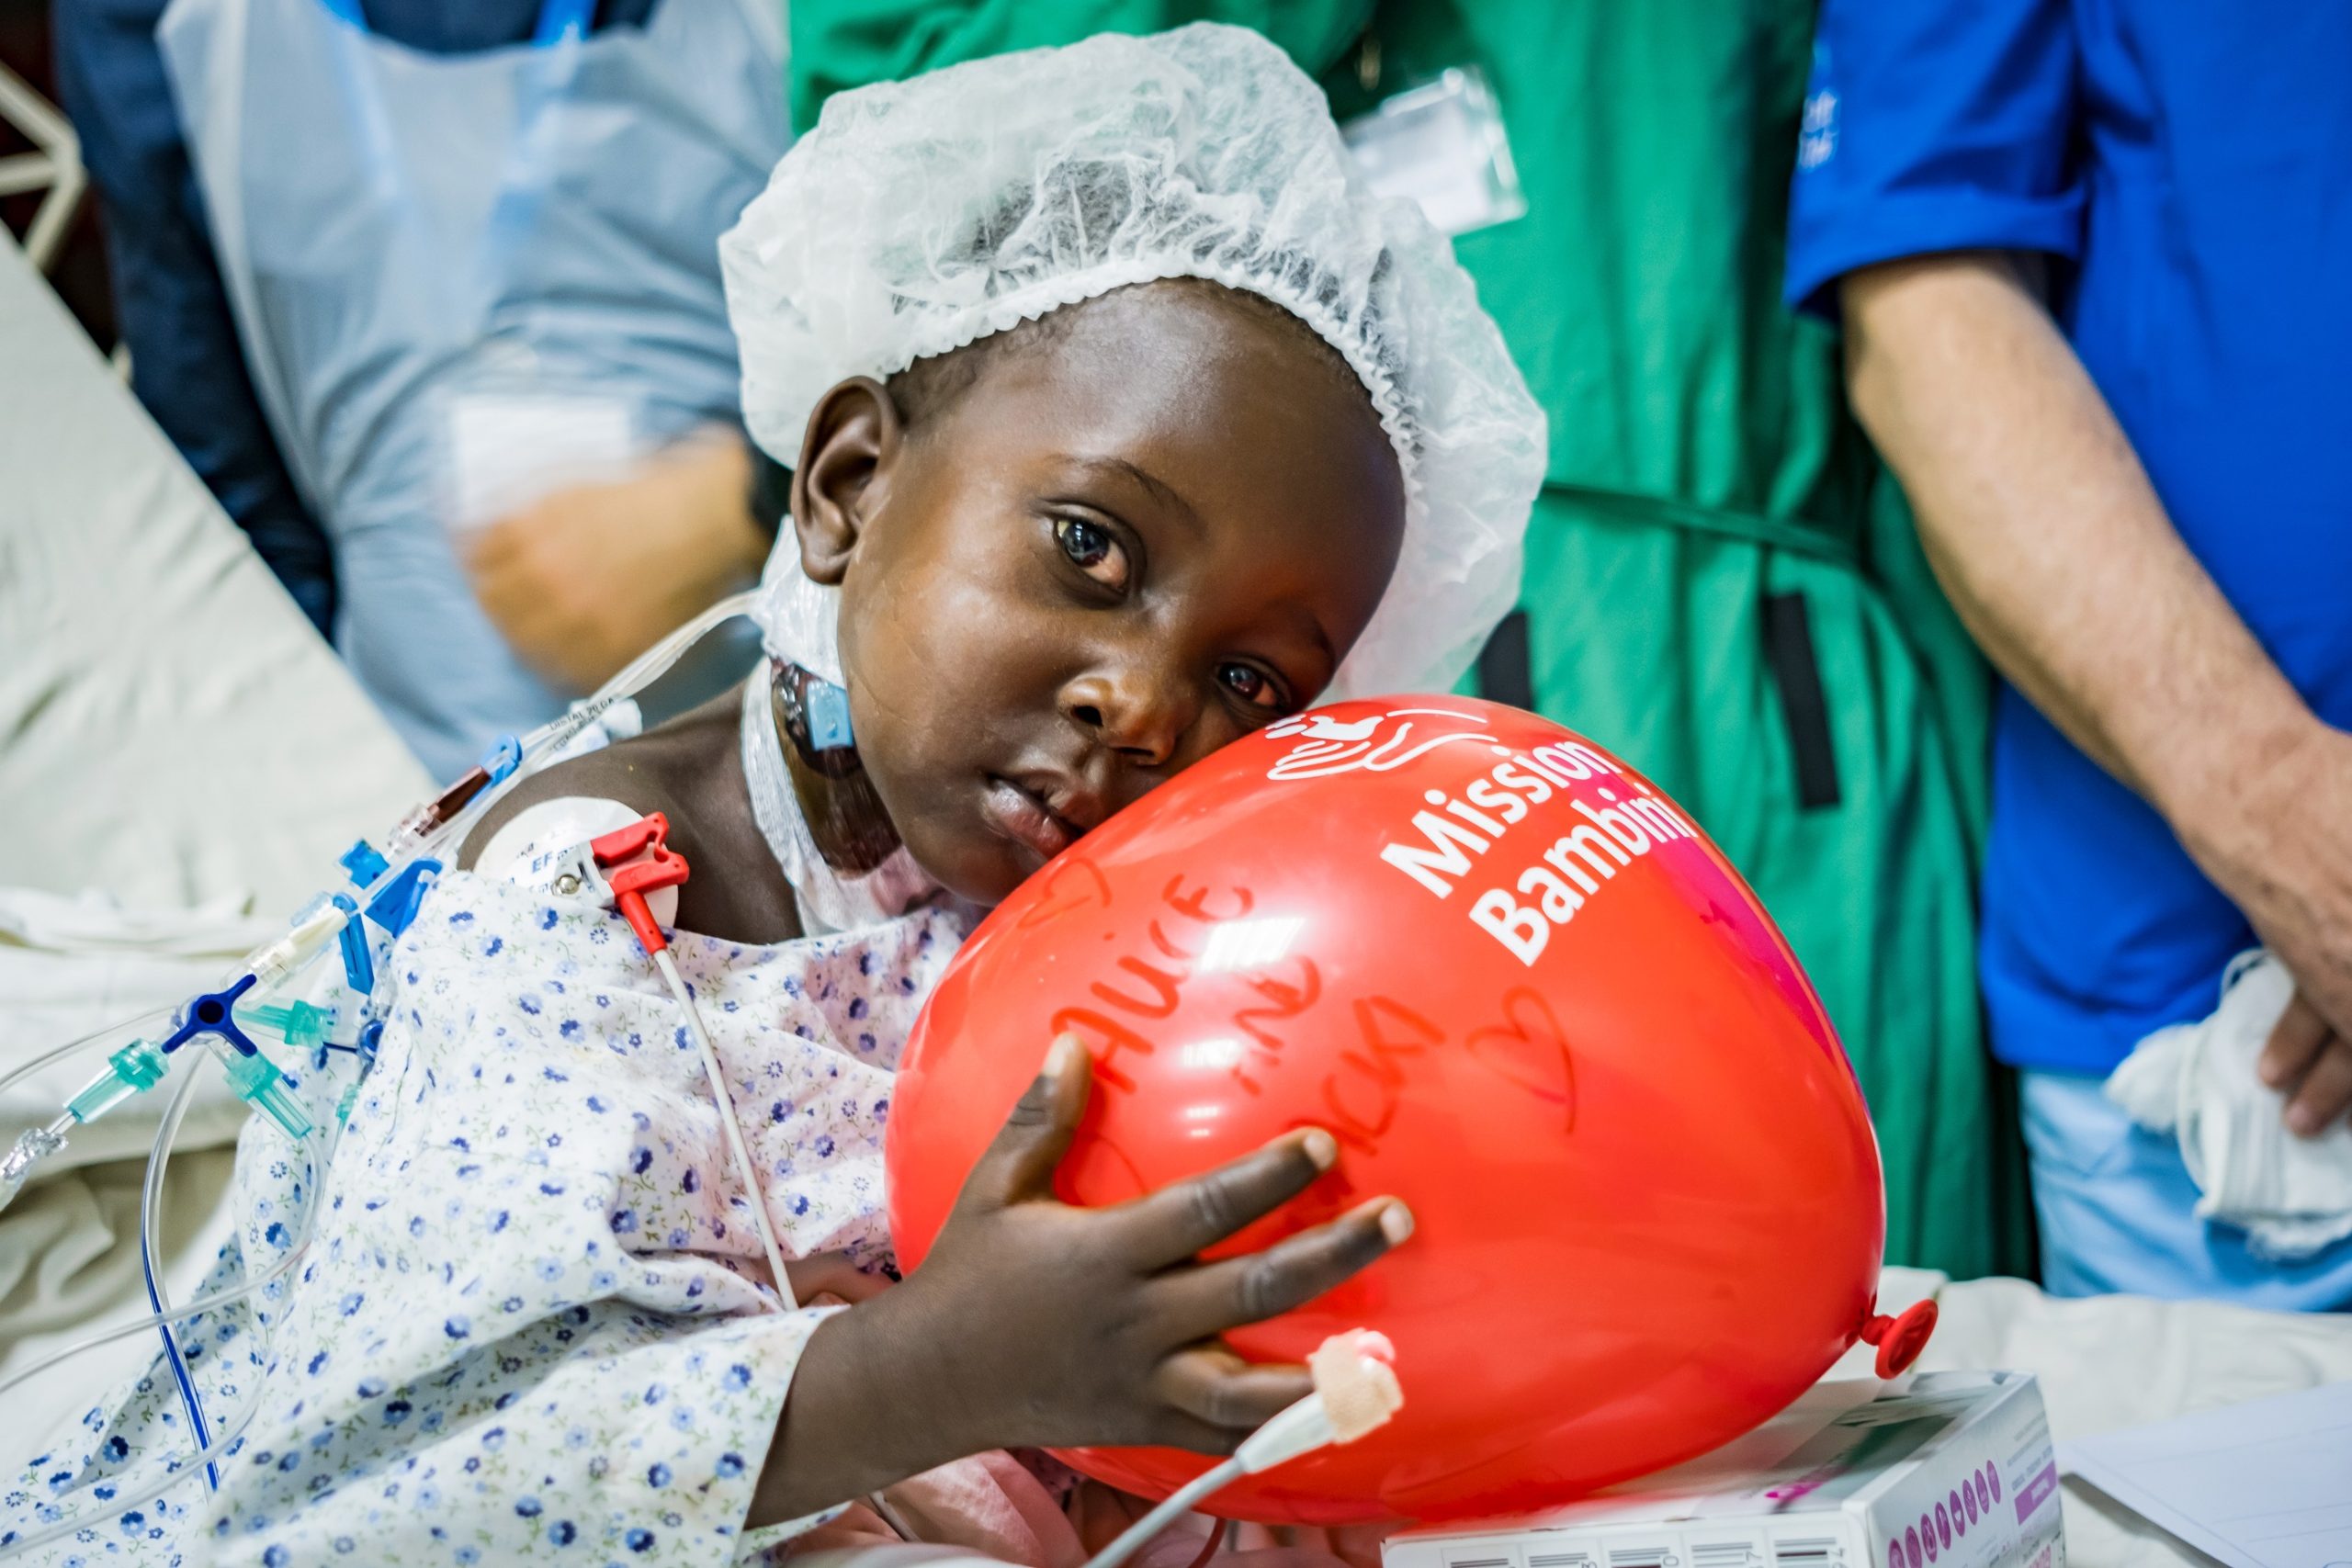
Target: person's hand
[(585, 580), (1037, 1325), (2310, 1061), (2289, 866)]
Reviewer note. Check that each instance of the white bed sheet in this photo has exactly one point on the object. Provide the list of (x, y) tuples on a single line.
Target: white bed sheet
[(170, 722), (171, 729), (172, 733)]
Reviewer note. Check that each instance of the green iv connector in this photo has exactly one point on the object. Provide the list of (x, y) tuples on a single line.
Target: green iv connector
[(134, 1069), (260, 1084)]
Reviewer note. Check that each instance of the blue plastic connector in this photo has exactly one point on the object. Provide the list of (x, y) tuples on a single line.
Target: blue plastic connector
[(363, 862), (827, 710), (395, 907), (213, 1013), (359, 963), (500, 760)]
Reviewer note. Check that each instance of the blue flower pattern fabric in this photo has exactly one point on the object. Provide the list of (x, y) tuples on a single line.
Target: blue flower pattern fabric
[(531, 1327)]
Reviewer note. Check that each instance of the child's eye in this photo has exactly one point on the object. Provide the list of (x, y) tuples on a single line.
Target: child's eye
[(1091, 548), (1253, 686)]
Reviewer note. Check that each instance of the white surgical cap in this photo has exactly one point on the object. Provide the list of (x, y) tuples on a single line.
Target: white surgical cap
[(921, 216)]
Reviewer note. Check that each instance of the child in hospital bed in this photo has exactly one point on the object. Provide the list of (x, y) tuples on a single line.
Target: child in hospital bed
[(1122, 423)]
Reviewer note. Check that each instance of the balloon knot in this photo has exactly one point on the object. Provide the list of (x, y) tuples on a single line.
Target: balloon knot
[(1901, 1338)]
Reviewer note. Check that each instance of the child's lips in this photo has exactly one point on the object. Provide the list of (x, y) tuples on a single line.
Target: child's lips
[(1022, 818)]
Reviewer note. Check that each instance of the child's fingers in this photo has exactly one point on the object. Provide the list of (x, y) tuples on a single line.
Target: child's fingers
[(1217, 1296), (1188, 1217), (1212, 1386), (1020, 1164)]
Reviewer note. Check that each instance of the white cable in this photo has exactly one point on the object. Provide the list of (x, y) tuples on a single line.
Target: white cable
[(730, 1124), (1346, 1372), (1192, 1495)]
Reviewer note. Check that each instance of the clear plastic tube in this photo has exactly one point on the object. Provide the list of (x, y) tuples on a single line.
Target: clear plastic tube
[(98, 1037), (414, 841), (411, 841), (151, 1248), (130, 1492), (133, 1491), (315, 1146)]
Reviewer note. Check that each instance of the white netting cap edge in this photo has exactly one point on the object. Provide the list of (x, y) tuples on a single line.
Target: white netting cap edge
[(921, 216)]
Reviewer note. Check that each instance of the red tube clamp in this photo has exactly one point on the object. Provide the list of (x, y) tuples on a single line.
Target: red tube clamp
[(652, 864)]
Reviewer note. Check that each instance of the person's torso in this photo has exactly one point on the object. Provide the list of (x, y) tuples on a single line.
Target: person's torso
[(438, 260), (2213, 307), (1639, 291)]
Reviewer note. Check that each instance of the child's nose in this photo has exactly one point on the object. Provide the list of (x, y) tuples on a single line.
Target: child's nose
[(1140, 715)]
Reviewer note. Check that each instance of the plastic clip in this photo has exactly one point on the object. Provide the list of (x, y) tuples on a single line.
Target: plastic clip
[(363, 865), (651, 865), (395, 908), (500, 760), (359, 963)]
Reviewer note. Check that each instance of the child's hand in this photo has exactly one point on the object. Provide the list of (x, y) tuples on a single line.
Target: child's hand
[(1037, 1325), (1048, 1326)]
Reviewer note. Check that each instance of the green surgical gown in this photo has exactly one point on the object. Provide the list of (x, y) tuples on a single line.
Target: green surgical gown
[(1722, 584)]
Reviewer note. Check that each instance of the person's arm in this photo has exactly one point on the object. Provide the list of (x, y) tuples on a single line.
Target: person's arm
[(187, 365), (2055, 551)]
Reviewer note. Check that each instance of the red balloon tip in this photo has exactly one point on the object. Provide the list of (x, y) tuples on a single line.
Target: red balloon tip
[(1900, 1339)]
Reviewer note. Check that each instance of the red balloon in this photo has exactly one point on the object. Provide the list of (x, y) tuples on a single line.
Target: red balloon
[(1529, 999)]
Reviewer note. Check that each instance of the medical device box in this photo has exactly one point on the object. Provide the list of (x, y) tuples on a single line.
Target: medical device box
[(1945, 1470)]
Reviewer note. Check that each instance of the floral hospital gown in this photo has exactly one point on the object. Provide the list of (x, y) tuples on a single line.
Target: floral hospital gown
[(527, 1327)]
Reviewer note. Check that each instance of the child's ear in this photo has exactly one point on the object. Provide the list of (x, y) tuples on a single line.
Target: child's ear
[(852, 438)]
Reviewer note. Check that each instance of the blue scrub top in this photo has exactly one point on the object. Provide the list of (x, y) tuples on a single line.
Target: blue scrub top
[(2191, 165)]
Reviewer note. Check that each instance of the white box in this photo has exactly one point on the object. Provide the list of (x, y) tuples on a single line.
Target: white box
[(1948, 1470)]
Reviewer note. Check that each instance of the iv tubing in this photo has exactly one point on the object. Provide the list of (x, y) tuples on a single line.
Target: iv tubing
[(129, 1495), (132, 1491), (202, 1303), (535, 747), (648, 667), (58, 1052), (150, 1226)]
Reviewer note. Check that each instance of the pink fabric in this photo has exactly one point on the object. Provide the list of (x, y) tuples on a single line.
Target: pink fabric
[(994, 1504)]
